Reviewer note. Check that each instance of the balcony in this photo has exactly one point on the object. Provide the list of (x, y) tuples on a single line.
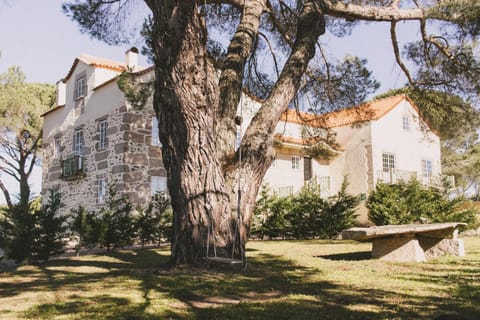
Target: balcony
[(395, 176), (73, 168)]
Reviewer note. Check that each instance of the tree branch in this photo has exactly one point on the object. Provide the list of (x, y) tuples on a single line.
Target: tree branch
[(6, 194), (350, 11), (230, 83), (396, 50), (311, 25)]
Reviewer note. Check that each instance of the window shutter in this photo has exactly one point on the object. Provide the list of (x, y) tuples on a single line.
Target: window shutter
[(75, 90)]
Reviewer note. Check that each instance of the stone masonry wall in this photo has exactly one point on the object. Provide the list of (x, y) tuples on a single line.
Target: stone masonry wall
[(128, 161)]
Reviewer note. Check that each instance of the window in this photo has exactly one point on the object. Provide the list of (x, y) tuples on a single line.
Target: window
[(406, 122), (307, 168), (158, 184), (155, 139), (285, 191), (388, 172), (427, 171), (78, 143), (295, 162), (324, 183), (388, 162), (101, 190), (57, 148), (102, 134), (80, 89)]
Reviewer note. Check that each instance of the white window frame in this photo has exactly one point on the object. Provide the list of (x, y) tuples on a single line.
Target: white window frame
[(296, 162), (406, 122), (388, 162), (154, 132), (101, 190), (78, 142), (102, 134), (57, 148), (325, 184), (427, 170), (80, 89), (158, 184)]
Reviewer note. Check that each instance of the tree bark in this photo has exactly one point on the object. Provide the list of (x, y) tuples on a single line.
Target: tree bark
[(185, 100), (207, 182)]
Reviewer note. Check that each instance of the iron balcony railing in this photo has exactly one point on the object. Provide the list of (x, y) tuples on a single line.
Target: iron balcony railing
[(73, 168), (395, 176)]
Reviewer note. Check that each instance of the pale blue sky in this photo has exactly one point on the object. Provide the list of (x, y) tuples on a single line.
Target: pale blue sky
[(39, 38)]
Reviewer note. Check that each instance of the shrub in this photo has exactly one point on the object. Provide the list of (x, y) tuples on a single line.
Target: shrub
[(34, 233), (409, 202), (87, 226), (304, 215), (270, 215), (307, 211), (116, 222), (155, 221), (52, 227), (339, 213)]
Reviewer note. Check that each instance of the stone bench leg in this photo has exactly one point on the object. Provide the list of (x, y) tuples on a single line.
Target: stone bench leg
[(435, 247), (399, 249)]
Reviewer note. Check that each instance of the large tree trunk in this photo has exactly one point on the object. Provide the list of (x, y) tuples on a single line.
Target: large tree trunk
[(196, 112), (185, 100)]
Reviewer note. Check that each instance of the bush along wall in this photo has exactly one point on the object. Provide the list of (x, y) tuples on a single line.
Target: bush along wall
[(305, 215), (118, 225), (410, 202)]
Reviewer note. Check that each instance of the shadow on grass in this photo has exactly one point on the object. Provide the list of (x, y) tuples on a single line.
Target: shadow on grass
[(350, 256), (272, 287)]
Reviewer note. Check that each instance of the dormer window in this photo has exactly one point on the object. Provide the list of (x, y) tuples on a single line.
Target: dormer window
[(80, 89), (406, 122)]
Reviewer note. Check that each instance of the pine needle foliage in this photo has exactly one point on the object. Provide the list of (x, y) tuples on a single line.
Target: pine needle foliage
[(410, 202)]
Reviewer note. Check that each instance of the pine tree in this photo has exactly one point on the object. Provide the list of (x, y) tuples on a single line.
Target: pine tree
[(52, 227), (87, 226), (117, 225)]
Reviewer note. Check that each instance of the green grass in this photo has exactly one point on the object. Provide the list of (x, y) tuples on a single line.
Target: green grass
[(284, 280)]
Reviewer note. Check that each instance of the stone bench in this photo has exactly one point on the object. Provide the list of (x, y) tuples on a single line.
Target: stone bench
[(410, 242)]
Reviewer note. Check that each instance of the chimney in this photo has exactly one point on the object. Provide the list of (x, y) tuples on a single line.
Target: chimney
[(61, 92), (131, 57)]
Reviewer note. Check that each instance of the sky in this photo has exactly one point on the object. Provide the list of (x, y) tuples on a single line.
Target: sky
[(38, 37)]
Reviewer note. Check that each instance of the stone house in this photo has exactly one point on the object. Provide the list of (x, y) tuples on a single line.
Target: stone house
[(95, 137)]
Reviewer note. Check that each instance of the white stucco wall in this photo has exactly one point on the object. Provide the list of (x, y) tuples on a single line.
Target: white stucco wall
[(353, 162), (409, 147)]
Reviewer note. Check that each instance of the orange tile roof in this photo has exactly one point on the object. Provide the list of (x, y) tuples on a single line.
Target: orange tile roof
[(372, 110), (96, 62), (304, 142)]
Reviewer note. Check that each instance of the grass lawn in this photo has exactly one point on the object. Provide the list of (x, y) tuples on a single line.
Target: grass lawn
[(284, 280)]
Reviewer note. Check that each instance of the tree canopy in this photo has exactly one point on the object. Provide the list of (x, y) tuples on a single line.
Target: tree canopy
[(21, 105)]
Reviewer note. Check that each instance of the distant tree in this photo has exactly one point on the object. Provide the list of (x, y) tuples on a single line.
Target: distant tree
[(21, 105)]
